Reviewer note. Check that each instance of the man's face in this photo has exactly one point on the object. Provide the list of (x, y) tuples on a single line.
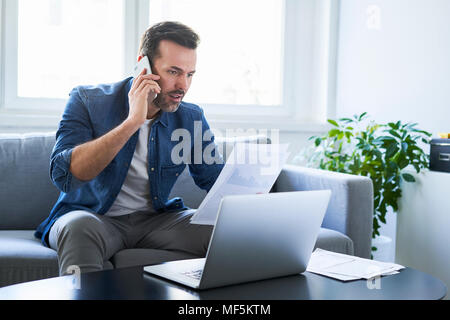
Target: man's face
[(176, 67)]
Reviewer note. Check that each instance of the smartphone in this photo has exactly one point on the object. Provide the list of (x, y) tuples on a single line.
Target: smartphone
[(141, 65)]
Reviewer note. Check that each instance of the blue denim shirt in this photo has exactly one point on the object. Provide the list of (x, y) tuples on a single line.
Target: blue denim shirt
[(93, 111)]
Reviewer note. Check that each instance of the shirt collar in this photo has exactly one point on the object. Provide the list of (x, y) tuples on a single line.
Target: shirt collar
[(163, 118)]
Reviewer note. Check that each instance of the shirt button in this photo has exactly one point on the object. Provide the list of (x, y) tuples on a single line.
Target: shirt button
[(156, 198), (176, 174), (153, 139), (153, 169)]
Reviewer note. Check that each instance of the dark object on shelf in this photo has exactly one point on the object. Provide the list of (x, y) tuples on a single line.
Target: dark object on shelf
[(440, 155)]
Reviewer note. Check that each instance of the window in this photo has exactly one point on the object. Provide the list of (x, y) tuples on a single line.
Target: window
[(62, 44), (240, 57)]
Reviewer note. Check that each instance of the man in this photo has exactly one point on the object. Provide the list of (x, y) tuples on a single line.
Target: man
[(112, 161)]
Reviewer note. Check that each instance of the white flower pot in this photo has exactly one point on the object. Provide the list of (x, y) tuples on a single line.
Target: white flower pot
[(384, 248)]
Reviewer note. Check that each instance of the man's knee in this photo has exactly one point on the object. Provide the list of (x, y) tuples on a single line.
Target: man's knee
[(78, 237), (76, 225)]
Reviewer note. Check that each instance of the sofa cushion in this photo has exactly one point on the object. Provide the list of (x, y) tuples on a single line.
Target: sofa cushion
[(24, 258), (26, 191), (335, 241)]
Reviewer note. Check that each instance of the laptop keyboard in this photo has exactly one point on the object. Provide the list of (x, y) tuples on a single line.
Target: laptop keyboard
[(194, 274)]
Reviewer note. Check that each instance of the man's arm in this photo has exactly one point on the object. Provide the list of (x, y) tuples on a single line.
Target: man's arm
[(90, 158)]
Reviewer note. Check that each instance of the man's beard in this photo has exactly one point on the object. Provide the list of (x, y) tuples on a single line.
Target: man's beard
[(163, 103)]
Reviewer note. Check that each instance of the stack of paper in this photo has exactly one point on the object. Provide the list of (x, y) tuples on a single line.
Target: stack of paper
[(344, 267)]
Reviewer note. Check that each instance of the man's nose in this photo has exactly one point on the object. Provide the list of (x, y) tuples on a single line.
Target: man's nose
[(183, 83)]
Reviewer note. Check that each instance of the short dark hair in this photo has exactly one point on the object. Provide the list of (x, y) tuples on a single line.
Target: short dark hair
[(168, 30)]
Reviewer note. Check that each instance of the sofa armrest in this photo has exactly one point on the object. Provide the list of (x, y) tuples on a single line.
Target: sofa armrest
[(351, 206)]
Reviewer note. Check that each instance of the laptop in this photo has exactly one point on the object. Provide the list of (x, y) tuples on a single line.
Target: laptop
[(255, 237)]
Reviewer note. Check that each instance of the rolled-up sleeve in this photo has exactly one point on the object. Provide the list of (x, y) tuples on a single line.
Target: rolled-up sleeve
[(74, 129)]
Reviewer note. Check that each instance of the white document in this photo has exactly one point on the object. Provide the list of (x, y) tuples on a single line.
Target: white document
[(345, 267), (250, 169)]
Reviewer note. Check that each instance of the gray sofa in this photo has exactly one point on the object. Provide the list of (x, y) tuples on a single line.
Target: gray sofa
[(27, 195)]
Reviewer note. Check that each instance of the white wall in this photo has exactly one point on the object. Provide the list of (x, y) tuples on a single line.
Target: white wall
[(395, 66), (423, 225), (402, 70)]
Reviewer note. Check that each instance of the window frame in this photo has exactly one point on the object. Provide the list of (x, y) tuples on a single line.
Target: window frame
[(309, 72)]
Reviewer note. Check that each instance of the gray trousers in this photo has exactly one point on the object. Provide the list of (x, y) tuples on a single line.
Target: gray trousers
[(88, 240)]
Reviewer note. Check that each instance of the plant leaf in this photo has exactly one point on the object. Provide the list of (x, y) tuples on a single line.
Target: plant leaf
[(395, 134), (333, 132), (391, 150), (408, 177), (362, 116), (348, 134), (318, 141), (334, 123)]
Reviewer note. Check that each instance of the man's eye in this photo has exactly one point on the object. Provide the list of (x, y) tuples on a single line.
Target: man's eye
[(172, 72)]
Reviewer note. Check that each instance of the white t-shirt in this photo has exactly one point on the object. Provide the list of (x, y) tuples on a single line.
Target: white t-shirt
[(135, 193)]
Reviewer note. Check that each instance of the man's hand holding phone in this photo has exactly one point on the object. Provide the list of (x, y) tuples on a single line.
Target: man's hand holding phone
[(142, 93)]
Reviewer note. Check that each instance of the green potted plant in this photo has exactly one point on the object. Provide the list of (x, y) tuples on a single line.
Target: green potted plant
[(378, 151)]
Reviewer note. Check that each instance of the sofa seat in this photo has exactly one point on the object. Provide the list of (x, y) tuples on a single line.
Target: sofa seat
[(24, 258)]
